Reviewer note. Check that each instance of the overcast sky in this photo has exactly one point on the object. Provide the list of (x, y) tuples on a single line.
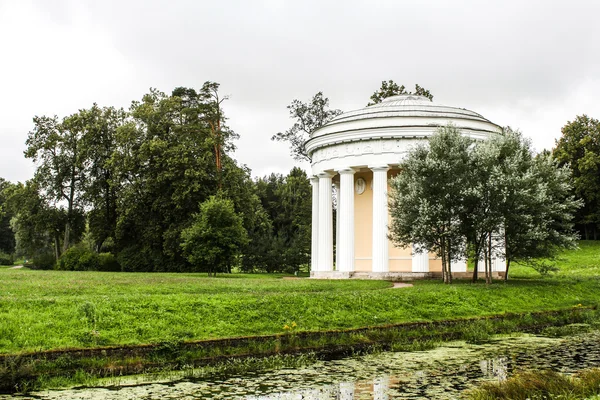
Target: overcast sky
[(533, 65)]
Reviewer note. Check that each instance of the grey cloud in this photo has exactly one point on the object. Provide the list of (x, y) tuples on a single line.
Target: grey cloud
[(513, 59)]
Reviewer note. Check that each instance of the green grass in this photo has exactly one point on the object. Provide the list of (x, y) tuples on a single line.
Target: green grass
[(540, 385), (42, 310), (576, 264)]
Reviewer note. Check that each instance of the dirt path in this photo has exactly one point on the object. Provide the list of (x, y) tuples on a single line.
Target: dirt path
[(16, 267), (398, 285)]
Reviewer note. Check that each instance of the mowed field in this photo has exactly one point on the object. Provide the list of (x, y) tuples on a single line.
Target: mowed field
[(42, 310)]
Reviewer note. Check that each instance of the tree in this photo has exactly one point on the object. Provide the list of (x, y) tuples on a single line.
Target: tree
[(58, 149), (391, 88), (165, 159), (538, 220), (579, 149), (309, 117), (207, 104), (426, 199), (102, 186), (214, 240), (287, 202), (460, 198), (7, 237), (37, 224)]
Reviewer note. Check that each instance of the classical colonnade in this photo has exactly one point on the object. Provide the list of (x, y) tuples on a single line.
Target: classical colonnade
[(322, 261), (322, 223)]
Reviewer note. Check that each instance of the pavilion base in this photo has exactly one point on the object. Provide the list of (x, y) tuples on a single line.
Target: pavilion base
[(396, 276)]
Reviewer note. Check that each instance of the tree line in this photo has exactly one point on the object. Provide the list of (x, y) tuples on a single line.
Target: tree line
[(137, 184)]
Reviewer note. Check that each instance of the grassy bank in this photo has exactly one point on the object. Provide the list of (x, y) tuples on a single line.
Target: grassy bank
[(540, 385), (162, 321), (31, 371), (41, 310)]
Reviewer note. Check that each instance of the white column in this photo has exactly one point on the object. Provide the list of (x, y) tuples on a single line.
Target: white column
[(380, 388), (458, 266), (346, 221), (498, 262), (337, 226), (346, 391), (314, 253), (325, 247), (381, 256), (420, 260)]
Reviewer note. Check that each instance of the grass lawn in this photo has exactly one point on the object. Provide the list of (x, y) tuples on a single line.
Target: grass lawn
[(51, 309)]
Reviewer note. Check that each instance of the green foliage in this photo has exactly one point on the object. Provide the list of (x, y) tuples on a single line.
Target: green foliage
[(308, 118), (460, 198), (579, 150), (215, 238), (391, 88), (7, 236), (538, 385), (285, 244), (428, 198), (543, 266), (78, 258), (57, 149), (6, 259), (43, 261), (108, 262), (165, 158)]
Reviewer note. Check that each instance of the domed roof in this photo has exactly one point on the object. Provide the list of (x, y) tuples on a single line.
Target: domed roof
[(404, 105), (383, 133)]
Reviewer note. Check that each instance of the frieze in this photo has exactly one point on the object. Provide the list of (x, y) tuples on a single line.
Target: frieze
[(358, 148)]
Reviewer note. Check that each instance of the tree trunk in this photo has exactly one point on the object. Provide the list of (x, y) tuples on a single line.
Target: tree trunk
[(507, 257), (476, 265), (67, 235), (443, 251), (507, 267), (56, 247), (489, 253), (485, 263), (449, 262)]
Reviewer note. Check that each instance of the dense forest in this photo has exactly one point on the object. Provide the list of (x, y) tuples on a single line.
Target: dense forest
[(115, 189)]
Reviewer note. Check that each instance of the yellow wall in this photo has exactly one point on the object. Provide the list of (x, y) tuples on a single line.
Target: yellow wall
[(363, 224), (400, 259)]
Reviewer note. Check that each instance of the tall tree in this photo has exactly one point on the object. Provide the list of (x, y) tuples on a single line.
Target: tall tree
[(486, 199), (7, 237), (391, 88), (539, 212), (309, 117), (61, 156), (166, 159), (579, 149), (102, 185), (426, 200)]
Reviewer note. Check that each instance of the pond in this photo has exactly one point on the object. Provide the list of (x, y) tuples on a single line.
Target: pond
[(442, 373)]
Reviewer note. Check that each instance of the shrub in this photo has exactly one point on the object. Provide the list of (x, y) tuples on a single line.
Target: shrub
[(108, 262), (43, 261), (6, 259), (135, 259), (78, 259)]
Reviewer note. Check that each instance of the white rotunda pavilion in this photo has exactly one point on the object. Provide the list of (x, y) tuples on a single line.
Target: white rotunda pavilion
[(358, 152)]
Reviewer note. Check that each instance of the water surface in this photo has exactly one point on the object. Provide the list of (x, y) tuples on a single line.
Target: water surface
[(443, 373)]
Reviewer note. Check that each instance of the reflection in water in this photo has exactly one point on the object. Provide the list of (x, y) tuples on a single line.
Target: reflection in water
[(495, 368), (442, 373)]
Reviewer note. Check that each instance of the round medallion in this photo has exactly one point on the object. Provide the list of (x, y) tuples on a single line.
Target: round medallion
[(360, 185)]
